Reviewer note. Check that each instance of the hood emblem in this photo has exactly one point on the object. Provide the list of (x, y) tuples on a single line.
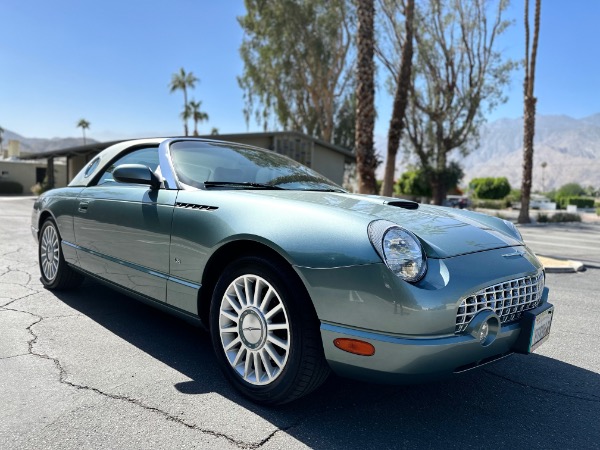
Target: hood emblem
[(514, 254)]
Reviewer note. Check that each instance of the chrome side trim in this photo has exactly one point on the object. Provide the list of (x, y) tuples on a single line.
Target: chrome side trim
[(143, 269)]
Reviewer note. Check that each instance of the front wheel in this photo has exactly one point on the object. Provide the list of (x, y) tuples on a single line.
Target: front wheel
[(56, 274), (265, 332)]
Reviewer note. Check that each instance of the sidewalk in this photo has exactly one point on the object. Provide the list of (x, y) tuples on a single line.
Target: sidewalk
[(552, 265)]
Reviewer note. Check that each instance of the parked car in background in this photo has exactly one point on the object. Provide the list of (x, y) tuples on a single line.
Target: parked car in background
[(292, 275), (457, 201)]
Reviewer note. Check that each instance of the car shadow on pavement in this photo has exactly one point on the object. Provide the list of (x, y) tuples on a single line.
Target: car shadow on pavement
[(521, 401)]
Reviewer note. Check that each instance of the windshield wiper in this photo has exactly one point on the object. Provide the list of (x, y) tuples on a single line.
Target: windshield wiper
[(240, 184), (339, 191)]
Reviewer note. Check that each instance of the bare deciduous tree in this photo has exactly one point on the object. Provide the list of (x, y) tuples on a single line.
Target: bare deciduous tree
[(392, 10)]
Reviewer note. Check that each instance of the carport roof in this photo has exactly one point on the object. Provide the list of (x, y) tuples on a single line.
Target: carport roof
[(97, 147)]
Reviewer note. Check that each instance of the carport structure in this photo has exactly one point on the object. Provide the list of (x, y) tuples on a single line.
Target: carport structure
[(332, 161)]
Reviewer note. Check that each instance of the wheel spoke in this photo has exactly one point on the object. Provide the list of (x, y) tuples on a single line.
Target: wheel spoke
[(257, 368), (229, 330), (273, 355), (247, 366), (247, 291), (232, 344), (239, 356), (264, 359), (274, 311), (229, 315), (236, 307), (240, 295), (266, 300), (277, 326), (257, 291), (279, 342)]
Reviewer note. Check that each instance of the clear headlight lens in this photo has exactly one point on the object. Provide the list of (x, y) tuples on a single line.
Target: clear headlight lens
[(399, 249)]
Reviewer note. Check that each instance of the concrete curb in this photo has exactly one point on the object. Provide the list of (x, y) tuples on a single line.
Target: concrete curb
[(553, 265)]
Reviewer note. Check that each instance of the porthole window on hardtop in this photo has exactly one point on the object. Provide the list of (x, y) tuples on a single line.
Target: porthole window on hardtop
[(91, 167)]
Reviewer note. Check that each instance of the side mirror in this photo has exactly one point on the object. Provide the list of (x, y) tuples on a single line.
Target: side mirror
[(136, 173)]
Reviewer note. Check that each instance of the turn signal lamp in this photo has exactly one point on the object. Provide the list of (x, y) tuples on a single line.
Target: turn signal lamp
[(355, 346)]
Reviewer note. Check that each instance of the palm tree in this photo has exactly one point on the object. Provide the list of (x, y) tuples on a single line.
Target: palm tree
[(84, 125), (181, 81), (196, 114), (529, 110), (366, 161), (185, 115)]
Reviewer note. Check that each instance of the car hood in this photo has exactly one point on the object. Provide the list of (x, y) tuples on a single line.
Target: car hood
[(444, 232)]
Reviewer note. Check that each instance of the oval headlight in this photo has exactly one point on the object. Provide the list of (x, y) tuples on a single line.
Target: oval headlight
[(399, 249)]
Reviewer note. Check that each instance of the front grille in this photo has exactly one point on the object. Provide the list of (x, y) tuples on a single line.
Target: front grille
[(508, 300)]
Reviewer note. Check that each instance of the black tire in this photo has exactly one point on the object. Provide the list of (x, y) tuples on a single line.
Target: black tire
[(303, 367), (56, 273)]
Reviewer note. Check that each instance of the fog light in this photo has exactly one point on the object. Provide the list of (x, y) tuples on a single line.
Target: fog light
[(484, 327), (483, 332)]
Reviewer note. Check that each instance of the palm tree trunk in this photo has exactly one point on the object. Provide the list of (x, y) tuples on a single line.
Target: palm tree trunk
[(83, 129), (185, 102), (365, 99), (529, 111)]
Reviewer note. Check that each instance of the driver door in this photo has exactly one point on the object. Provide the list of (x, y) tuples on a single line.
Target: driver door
[(122, 230)]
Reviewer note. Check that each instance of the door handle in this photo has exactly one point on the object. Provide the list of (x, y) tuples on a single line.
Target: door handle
[(83, 206)]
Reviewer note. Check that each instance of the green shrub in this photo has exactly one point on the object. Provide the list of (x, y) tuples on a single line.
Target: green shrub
[(580, 202), (565, 217), (489, 204), (542, 218), (490, 188), (570, 190), (598, 211), (11, 187)]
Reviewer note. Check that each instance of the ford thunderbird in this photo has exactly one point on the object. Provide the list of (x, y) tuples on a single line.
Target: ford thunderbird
[(293, 276)]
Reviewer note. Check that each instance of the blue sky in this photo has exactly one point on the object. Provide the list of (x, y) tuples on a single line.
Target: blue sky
[(110, 62)]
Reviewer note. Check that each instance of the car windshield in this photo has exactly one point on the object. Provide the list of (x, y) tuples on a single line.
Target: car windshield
[(213, 165)]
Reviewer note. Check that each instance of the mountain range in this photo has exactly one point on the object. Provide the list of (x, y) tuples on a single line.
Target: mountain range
[(40, 145), (569, 147)]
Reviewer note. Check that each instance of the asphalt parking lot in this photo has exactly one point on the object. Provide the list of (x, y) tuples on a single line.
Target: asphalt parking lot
[(94, 369)]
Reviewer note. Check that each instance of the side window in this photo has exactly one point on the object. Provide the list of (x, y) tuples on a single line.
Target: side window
[(146, 156)]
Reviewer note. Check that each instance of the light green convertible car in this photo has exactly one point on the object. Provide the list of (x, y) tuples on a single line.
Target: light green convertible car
[(292, 275)]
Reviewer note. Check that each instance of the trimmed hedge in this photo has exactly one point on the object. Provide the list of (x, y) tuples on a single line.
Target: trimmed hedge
[(580, 202), (11, 187), (558, 217)]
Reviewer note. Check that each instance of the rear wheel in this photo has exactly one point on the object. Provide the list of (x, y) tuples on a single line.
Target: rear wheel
[(56, 274), (265, 332)]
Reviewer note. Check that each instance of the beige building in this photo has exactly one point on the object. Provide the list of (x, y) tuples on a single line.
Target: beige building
[(29, 173), (333, 162)]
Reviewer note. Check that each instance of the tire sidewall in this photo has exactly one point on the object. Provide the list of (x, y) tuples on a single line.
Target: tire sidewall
[(290, 294)]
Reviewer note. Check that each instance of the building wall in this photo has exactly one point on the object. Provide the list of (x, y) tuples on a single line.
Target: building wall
[(25, 173), (75, 163), (329, 163)]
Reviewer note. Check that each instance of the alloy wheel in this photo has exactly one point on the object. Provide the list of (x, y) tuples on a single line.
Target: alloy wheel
[(254, 329), (50, 253)]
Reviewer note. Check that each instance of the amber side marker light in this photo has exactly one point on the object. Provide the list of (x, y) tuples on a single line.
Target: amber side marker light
[(355, 346)]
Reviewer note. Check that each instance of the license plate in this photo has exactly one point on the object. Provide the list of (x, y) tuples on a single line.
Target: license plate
[(541, 329)]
